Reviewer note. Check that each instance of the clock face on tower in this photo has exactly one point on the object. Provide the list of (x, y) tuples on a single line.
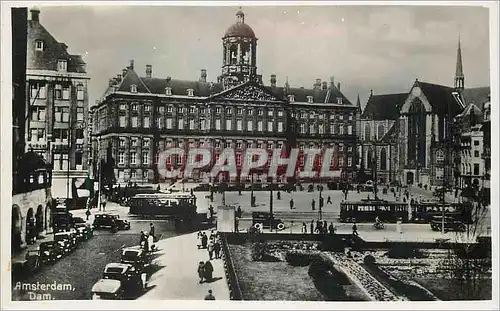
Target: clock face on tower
[(416, 91)]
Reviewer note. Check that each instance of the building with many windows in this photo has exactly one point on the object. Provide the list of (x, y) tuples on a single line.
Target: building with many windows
[(139, 116), (57, 105)]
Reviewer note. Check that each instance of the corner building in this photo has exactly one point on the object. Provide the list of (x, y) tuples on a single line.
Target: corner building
[(138, 117)]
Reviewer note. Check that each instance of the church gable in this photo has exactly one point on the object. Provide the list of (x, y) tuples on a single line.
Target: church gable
[(249, 92)]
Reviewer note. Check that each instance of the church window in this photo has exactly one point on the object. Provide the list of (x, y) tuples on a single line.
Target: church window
[(383, 159), (367, 132), (380, 131)]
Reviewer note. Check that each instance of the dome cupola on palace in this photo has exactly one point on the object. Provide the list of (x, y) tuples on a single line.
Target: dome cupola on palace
[(240, 29)]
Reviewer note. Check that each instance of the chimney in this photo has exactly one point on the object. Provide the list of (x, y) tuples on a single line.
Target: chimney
[(324, 86), (110, 83), (131, 64), (273, 80), (149, 71), (338, 86), (119, 78), (203, 75), (332, 82), (317, 85), (35, 14), (124, 72)]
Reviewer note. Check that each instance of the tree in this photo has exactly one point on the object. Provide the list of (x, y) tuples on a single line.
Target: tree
[(468, 262)]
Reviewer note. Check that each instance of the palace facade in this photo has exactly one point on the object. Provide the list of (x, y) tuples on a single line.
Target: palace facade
[(139, 116)]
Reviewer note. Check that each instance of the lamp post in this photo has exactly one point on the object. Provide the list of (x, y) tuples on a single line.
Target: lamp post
[(99, 174)]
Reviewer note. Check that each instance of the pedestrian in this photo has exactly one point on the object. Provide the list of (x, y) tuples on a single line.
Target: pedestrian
[(217, 249), (209, 296), (331, 228), (304, 227), (239, 212), (210, 249), (212, 235), (329, 200), (313, 204), (291, 203), (151, 230), (87, 213), (146, 242), (355, 230), (201, 270), (211, 210), (151, 242), (199, 236), (312, 226), (204, 240), (325, 226), (103, 202), (208, 269), (278, 195)]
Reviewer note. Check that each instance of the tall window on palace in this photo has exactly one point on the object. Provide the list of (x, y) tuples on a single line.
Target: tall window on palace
[(169, 123), (79, 113), (145, 158), (270, 125), (249, 126), (440, 156), (65, 163), (332, 128), (123, 121), (65, 92), (302, 128), (259, 126), (191, 124), (79, 160), (228, 125), (57, 161), (145, 124), (341, 161), (58, 91), (217, 124), (349, 161), (368, 133), (349, 130), (180, 124), (159, 123), (383, 159), (239, 125), (134, 121), (79, 92), (341, 130), (121, 157), (476, 169), (133, 157), (280, 127), (65, 114), (321, 129), (38, 113), (312, 130)]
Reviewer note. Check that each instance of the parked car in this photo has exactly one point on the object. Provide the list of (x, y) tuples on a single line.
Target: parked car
[(107, 220), (83, 232), (264, 219), (50, 251), (136, 257), (450, 224), (67, 240), (33, 260), (107, 289), (131, 279)]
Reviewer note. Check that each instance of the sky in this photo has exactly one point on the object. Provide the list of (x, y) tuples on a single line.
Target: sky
[(379, 48)]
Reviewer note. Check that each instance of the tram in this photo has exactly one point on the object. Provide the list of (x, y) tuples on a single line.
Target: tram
[(181, 205), (367, 211), (425, 211)]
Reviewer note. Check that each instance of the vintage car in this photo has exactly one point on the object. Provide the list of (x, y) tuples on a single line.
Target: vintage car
[(107, 289), (263, 220), (450, 224), (107, 220), (132, 280), (136, 257), (50, 251), (33, 261), (67, 240), (83, 232)]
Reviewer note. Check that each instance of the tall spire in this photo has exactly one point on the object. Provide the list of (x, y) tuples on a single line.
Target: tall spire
[(459, 72), (358, 103)]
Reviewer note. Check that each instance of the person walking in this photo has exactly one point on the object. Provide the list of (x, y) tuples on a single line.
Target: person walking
[(325, 226), (210, 295), (217, 249), (313, 204), (304, 227), (355, 230), (208, 270), (291, 203), (311, 226), (201, 270), (211, 249), (103, 202), (204, 240), (152, 230), (329, 200), (331, 228)]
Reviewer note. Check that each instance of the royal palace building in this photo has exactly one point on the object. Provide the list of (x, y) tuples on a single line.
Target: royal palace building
[(140, 115), (57, 105)]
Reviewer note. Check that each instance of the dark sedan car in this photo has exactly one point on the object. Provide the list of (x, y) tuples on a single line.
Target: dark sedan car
[(450, 224), (265, 220), (108, 220)]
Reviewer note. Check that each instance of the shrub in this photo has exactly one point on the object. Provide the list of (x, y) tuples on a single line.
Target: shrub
[(298, 259)]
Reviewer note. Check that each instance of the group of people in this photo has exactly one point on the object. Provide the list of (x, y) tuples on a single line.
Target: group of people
[(205, 271), (211, 244), (321, 227)]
